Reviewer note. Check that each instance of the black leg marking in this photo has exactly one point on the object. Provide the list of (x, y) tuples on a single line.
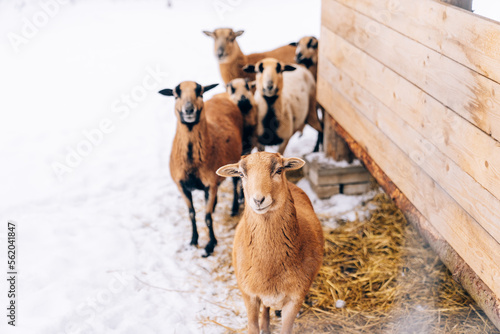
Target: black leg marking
[(192, 214), (209, 249), (318, 142), (236, 205)]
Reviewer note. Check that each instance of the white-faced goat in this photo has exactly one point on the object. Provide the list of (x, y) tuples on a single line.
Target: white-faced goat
[(286, 99), (278, 245), (208, 136), (232, 60)]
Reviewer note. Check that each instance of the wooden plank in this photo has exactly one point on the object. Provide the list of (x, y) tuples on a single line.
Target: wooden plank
[(452, 222), (466, 92), (471, 149), (465, 4), (470, 195), (356, 188), (466, 38), (461, 271)]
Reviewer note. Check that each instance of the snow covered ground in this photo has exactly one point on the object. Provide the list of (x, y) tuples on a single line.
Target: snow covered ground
[(84, 146)]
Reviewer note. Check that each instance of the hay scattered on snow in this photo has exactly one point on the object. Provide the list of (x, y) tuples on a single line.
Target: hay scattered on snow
[(388, 277)]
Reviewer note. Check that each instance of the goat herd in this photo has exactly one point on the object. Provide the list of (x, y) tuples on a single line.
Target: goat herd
[(278, 246)]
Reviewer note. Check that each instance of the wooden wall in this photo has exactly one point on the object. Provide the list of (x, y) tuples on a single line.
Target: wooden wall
[(416, 85)]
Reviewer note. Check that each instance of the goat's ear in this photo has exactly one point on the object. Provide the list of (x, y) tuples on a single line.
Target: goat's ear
[(292, 163), (239, 33), (166, 92), (249, 68), (207, 88), (231, 170), (252, 84), (289, 68), (293, 44), (209, 33)]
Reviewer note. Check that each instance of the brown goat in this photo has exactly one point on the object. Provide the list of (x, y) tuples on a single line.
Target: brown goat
[(306, 54), (278, 246), (231, 58), (208, 136)]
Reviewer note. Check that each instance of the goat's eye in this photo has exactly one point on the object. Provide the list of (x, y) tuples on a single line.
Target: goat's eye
[(241, 174), (279, 171)]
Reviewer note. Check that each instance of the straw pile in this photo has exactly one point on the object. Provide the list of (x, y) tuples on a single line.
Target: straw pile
[(388, 277), (390, 280)]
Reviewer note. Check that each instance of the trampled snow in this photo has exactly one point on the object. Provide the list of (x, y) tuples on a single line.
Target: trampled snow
[(103, 234)]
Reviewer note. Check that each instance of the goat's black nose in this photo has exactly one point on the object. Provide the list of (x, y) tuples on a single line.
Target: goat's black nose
[(259, 201), (189, 108), (270, 85), (220, 52)]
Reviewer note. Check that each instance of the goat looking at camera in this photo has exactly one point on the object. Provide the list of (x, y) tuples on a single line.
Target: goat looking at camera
[(208, 136), (286, 99), (232, 60), (278, 245)]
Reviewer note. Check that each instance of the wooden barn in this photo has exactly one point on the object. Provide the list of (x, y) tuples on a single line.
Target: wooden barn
[(412, 88)]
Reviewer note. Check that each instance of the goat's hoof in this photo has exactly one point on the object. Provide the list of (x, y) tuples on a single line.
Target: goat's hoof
[(194, 243), (234, 213), (209, 249)]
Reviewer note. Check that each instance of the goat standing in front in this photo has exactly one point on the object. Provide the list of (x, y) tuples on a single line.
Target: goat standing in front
[(278, 246), (208, 136)]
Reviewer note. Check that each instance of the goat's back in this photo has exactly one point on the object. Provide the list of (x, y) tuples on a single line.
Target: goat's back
[(299, 88), (225, 125), (284, 54)]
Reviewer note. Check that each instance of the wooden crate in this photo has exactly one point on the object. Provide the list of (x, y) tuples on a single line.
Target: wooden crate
[(328, 177)]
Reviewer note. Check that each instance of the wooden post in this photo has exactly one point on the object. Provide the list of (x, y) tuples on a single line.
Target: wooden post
[(465, 4), (335, 146)]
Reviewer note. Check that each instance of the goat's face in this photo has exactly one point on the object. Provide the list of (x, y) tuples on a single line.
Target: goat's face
[(269, 75), (307, 51), (225, 44), (240, 92), (188, 100), (263, 177)]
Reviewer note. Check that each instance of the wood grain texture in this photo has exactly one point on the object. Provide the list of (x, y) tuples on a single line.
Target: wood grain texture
[(466, 148), (462, 272), (459, 88), (467, 38), (450, 220)]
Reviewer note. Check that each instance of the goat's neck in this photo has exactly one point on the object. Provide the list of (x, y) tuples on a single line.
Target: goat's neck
[(234, 67), (275, 102), (195, 139), (278, 227)]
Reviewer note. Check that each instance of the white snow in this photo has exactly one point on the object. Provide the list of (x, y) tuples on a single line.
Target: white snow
[(104, 248)]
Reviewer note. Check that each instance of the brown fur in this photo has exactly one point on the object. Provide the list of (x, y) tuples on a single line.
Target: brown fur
[(306, 54), (197, 152), (231, 66), (277, 253)]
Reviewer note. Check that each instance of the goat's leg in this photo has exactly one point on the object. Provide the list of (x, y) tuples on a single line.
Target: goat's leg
[(288, 315), (264, 321), (236, 204), (252, 305), (211, 198), (186, 195)]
